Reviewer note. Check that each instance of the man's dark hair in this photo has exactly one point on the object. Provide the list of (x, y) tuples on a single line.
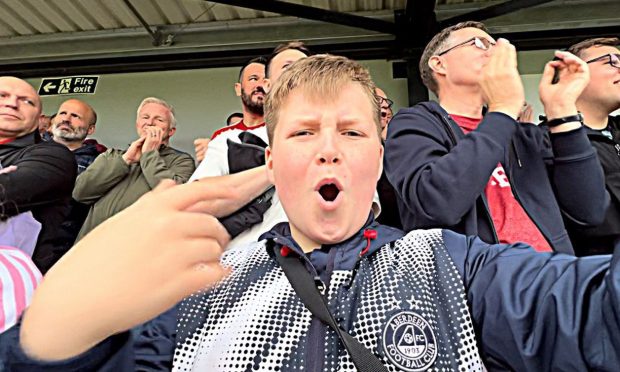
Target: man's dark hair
[(433, 48), (578, 48), (233, 115), (296, 45), (261, 60)]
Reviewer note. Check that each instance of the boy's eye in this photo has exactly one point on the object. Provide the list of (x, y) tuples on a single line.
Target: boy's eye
[(352, 133), (302, 133)]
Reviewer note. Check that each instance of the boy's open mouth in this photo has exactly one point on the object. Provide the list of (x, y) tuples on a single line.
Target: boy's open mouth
[(329, 192)]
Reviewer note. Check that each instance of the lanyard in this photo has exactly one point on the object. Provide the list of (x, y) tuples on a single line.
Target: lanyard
[(306, 288)]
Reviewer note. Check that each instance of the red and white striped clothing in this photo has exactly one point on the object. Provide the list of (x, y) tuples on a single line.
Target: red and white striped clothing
[(18, 279)]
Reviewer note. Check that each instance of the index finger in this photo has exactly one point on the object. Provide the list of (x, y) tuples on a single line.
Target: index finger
[(184, 196)]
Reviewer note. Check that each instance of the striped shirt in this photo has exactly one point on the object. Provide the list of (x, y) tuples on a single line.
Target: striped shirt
[(18, 279)]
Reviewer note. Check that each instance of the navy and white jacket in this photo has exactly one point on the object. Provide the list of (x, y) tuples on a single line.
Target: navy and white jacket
[(430, 300), (440, 174)]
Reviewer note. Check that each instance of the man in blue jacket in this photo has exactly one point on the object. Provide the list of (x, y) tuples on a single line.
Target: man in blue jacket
[(431, 299), (455, 167)]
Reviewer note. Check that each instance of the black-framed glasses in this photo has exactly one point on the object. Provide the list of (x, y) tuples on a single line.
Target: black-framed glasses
[(612, 59), (385, 100), (479, 42)]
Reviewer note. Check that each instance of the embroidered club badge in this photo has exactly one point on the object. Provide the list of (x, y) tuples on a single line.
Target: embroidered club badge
[(409, 341)]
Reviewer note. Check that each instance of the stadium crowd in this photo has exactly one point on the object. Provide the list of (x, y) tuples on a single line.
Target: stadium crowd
[(319, 230)]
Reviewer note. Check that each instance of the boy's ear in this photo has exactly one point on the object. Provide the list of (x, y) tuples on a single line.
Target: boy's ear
[(269, 164), (238, 89), (267, 85), (380, 163)]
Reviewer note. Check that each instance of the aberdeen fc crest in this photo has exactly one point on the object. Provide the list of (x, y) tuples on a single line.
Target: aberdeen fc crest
[(409, 341)]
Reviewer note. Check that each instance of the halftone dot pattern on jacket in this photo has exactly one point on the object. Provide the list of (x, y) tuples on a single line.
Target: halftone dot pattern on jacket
[(254, 320)]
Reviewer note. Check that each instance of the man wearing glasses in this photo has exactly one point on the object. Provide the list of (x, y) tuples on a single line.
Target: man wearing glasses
[(466, 164), (386, 110), (598, 100)]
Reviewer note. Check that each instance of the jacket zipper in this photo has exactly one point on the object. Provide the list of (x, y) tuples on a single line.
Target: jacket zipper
[(516, 195), (452, 135), (315, 347)]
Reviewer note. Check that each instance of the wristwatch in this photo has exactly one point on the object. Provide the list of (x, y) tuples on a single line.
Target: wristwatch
[(564, 120)]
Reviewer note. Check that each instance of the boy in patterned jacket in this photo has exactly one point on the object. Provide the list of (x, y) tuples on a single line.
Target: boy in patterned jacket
[(429, 300)]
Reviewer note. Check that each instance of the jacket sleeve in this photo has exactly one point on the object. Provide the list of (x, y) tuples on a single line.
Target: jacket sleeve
[(46, 174), (155, 169), (577, 179), (149, 347), (541, 311), (438, 185), (103, 174)]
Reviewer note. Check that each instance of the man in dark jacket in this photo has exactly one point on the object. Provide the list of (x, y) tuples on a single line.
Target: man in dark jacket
[(489, 175), (599, 99), (38, 176), (75, 121), (429, 300)]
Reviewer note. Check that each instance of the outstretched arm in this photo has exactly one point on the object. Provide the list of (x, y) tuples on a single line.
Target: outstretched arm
[(539, 312), (172, 254)]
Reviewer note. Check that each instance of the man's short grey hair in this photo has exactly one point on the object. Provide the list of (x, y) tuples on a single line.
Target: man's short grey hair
[(159, 101)]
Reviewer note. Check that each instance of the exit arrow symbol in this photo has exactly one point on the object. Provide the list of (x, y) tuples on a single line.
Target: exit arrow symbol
[(49, 86)]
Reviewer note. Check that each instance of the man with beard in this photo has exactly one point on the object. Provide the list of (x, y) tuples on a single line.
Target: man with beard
[(239, 149), (250, 88), (74, 121), (117, 178)]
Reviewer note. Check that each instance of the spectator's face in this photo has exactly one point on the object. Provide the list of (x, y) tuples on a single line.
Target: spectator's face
[(44, 123), (325, 161), (73, 121), (463, 65), (386, 111), (250, 89), (154, 115), (282, 61), (604, 88), (20, 108)]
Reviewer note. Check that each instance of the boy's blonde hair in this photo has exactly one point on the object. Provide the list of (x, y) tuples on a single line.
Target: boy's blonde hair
[(322, 76)]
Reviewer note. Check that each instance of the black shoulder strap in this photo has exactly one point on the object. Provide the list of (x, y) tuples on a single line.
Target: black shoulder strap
[(305, 286)]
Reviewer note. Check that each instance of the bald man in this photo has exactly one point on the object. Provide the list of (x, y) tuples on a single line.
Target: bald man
[(75, 121), (35, 176)]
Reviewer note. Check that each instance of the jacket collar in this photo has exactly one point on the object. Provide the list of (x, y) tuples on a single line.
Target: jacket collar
[(613, 125), (25, 140), (349, 250)]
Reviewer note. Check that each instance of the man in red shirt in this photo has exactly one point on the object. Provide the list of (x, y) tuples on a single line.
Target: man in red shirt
[(466, 164)]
